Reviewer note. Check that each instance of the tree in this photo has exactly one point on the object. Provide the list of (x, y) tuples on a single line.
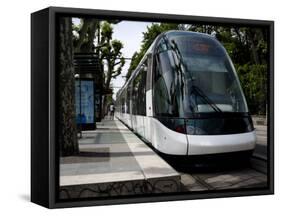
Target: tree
[(82, 43), (66, 93), (247, 47), (111, 52), (253, 80), (136, 58), (81, 39), (85, 35)]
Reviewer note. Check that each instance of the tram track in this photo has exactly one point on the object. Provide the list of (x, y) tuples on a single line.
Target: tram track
[(253, 175), (259, 164)]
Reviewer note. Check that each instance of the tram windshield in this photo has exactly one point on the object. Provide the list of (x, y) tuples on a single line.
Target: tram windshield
[(193, 74)]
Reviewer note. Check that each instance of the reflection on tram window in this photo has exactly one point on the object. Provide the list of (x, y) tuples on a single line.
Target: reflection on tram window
[(139, 92), (195, 75)]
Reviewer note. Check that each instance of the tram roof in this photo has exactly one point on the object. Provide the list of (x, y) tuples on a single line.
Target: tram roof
[(182, 32)]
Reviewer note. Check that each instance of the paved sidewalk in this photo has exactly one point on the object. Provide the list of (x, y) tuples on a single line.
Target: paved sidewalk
[(114, 161)]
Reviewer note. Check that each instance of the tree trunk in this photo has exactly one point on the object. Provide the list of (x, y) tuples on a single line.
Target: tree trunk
[(82, 34), (254, 48), (88, 30), (91, 36), (107, 84), (67, 124)]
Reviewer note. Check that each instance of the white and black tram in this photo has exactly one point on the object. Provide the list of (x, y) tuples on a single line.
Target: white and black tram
[(184, 98)]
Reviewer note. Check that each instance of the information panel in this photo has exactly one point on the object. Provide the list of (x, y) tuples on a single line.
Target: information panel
[(84, 100)]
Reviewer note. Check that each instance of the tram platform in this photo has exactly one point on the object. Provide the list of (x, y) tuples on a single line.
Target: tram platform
[(114, 161)]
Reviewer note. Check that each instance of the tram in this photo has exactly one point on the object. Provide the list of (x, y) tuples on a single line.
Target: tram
[(184, 98)]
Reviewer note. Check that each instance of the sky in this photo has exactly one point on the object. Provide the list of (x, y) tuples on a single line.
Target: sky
[(131, 35)]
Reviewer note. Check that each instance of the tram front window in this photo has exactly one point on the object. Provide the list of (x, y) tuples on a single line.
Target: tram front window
[(194, 74)]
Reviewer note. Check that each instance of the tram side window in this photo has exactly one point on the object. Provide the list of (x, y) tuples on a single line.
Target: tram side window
[(167, 83), (142, 90), (119, 106), (134, 96), (162, 82), (126, 101), (139, 92), (122, 102), (128, 98)]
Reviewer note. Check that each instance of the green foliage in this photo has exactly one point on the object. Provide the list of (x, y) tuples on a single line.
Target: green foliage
[(106, 32), (136, 58), (111, 52), (247, 48), (254, 83)]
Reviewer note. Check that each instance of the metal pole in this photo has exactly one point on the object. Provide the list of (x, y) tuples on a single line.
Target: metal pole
[(80, 104)]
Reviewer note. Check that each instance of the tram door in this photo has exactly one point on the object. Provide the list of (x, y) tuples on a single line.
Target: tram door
[(139, 100), (128, 106), (149, 107), (134, 103)]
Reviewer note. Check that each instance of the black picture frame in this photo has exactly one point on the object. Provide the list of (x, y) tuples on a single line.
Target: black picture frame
[(44, 151)]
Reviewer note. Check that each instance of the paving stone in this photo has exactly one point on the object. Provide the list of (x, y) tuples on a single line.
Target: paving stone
[(189, 183)]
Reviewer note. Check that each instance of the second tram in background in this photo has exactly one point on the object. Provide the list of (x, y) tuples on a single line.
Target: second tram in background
[(184, 98)]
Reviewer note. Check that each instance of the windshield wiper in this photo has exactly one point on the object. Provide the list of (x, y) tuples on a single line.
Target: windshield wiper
[(199, 92), (205, 98)]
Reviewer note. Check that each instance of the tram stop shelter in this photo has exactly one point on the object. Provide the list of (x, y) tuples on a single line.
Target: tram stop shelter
[(88, 89)]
